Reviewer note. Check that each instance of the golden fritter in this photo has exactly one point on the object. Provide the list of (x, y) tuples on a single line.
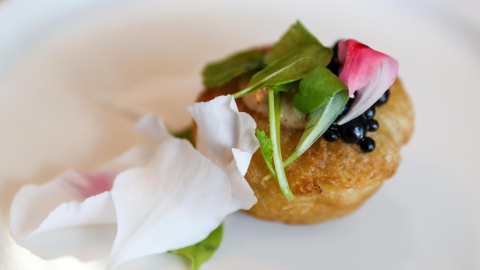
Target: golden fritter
[(331, 179)]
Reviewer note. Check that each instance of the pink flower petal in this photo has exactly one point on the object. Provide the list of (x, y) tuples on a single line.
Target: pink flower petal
[(60, 211), (63, 205), (91, 183), (368, 72)]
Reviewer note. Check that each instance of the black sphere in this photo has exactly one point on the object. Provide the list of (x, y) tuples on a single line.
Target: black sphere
[(331, 135), (370, 113), (367, 144), (381, 101), (373, 125), (353, 133)]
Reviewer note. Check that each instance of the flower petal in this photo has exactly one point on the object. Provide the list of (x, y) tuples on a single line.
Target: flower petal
[(62, 204), (368, 72), (152, 125), (140, 154), (173, 202), (220, 129), (75, 201)]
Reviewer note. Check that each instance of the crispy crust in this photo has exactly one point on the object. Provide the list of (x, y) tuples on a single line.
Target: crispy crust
[(329, 180)]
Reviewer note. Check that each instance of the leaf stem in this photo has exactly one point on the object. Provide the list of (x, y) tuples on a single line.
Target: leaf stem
[(274, 109)]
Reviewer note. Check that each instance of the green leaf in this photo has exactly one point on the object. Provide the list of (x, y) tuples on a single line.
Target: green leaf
[(292, 67), (316, 89), (295, 38), (318, 123), (186, 134), (204, 250), (275, 109), (266, 146), (219, 73)]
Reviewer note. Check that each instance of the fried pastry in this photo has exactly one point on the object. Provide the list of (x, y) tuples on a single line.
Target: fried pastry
[(331, 179), (330, 123)]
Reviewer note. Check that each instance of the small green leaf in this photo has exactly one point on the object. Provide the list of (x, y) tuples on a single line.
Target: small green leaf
[(186, 134), (317, 87), (295, 38), (266, 146), (204, 250), (219, 73), (292, 67), (274, 109), (318, 123)]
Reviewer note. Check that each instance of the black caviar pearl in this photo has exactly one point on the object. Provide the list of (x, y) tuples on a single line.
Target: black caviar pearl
[(370, 113), (354, 130), (381, 101), (373, 125), (334, 124), (331, 135), (353, 133), (367, 145)]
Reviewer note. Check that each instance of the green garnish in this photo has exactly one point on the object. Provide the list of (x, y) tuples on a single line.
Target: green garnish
[(186, 134), (274, 109), (296, 63), (295, 38), (204, 250), (219, 73), (266, 146), (292, 67)]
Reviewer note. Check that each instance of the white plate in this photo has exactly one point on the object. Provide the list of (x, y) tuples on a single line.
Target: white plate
[(60, 60)]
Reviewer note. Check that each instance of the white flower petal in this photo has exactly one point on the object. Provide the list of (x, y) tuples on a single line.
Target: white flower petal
[(173, 202), (75, 201), (221, 128), (243, 196), (137, 155), (140, 154), (70, 201), (242, 159), (152, 125)]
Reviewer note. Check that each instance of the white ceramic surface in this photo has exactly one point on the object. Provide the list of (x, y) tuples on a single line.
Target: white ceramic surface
[(60, 61)]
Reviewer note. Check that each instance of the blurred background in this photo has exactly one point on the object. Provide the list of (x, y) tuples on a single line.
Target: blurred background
[(70, 69)]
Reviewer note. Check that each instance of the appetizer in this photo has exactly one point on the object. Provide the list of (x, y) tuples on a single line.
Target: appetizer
[(330, 122), (296, 132)]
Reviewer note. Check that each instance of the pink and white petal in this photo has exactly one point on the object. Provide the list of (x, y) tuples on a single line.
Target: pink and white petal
[(358, 64), (173, 202), (365, 71), (368, 95), (62, 205)]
